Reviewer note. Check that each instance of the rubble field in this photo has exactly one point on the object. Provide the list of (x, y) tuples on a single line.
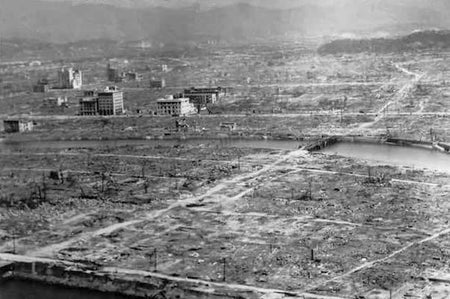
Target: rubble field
[(267, 218)]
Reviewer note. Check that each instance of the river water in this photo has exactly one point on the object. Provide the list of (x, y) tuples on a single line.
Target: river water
[(17, 289), (414, 157)]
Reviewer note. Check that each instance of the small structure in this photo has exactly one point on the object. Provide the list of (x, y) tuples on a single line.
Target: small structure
[(17, 125), (42, 85), (132, 76), (35, 63), (181, 125), (228, 126), (157, 83), (174, 107), (55, 102), (70, 78), (164, 68)]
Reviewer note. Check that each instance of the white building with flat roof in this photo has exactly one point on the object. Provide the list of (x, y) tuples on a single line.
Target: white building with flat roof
[(171, 106)]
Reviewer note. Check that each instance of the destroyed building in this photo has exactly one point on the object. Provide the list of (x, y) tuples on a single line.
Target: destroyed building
[(55, 102), (131, 76), (228, 126), (89, 103), (42, 85), (17, 125), (113, 74), (70, 78), (157, 83), (201, 97), (174, 106)]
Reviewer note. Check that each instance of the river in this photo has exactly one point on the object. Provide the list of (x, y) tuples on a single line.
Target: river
[(18, 289), (414, 157)]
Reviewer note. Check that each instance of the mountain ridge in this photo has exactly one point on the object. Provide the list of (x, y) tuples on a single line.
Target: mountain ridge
[(66, 21)]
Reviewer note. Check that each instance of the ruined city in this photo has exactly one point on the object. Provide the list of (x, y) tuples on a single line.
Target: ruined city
[(241, 150)]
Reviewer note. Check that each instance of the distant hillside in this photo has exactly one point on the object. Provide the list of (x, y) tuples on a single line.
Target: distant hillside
[(426, 40), (64, 21)]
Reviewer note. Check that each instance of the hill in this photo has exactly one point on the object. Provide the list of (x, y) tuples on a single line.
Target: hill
[(418, 41), (65, 21)]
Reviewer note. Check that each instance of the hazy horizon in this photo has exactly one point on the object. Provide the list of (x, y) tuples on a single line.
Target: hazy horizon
[(73, 20)]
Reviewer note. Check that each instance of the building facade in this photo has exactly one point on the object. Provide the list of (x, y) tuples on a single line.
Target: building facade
[(171, 106), (15, 126), (155, 83), (42, 85), (89, 103), (113, 74), (70, 79), (107, 102), (202, 97), (110, 101)]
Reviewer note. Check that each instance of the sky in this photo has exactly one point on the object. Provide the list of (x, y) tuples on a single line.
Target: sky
[(266, 3), (215, 3)]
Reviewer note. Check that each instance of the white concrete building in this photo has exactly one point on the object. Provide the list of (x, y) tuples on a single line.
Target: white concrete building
[(110, 101), (171, 106)]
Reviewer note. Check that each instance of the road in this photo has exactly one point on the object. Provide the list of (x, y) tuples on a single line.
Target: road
[(388, 257), (399, 96), (225, 184)]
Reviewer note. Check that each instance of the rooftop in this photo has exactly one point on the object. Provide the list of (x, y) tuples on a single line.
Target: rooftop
[(172, 100)]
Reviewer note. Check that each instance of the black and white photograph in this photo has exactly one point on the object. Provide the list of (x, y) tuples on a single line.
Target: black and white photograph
[(225, 149)]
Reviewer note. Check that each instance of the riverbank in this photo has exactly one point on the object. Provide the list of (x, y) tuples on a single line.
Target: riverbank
[(126, 283)]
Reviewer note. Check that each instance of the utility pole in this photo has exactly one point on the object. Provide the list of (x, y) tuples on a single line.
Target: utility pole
[(155, 253), (14, 241), (224, 268)]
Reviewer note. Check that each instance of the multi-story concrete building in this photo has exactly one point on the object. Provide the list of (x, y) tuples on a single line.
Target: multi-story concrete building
[(70, 79), (171, 106), (89, 103), (113, 74), (201, 97), (107, 102), (110, 101), (16, 125)]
